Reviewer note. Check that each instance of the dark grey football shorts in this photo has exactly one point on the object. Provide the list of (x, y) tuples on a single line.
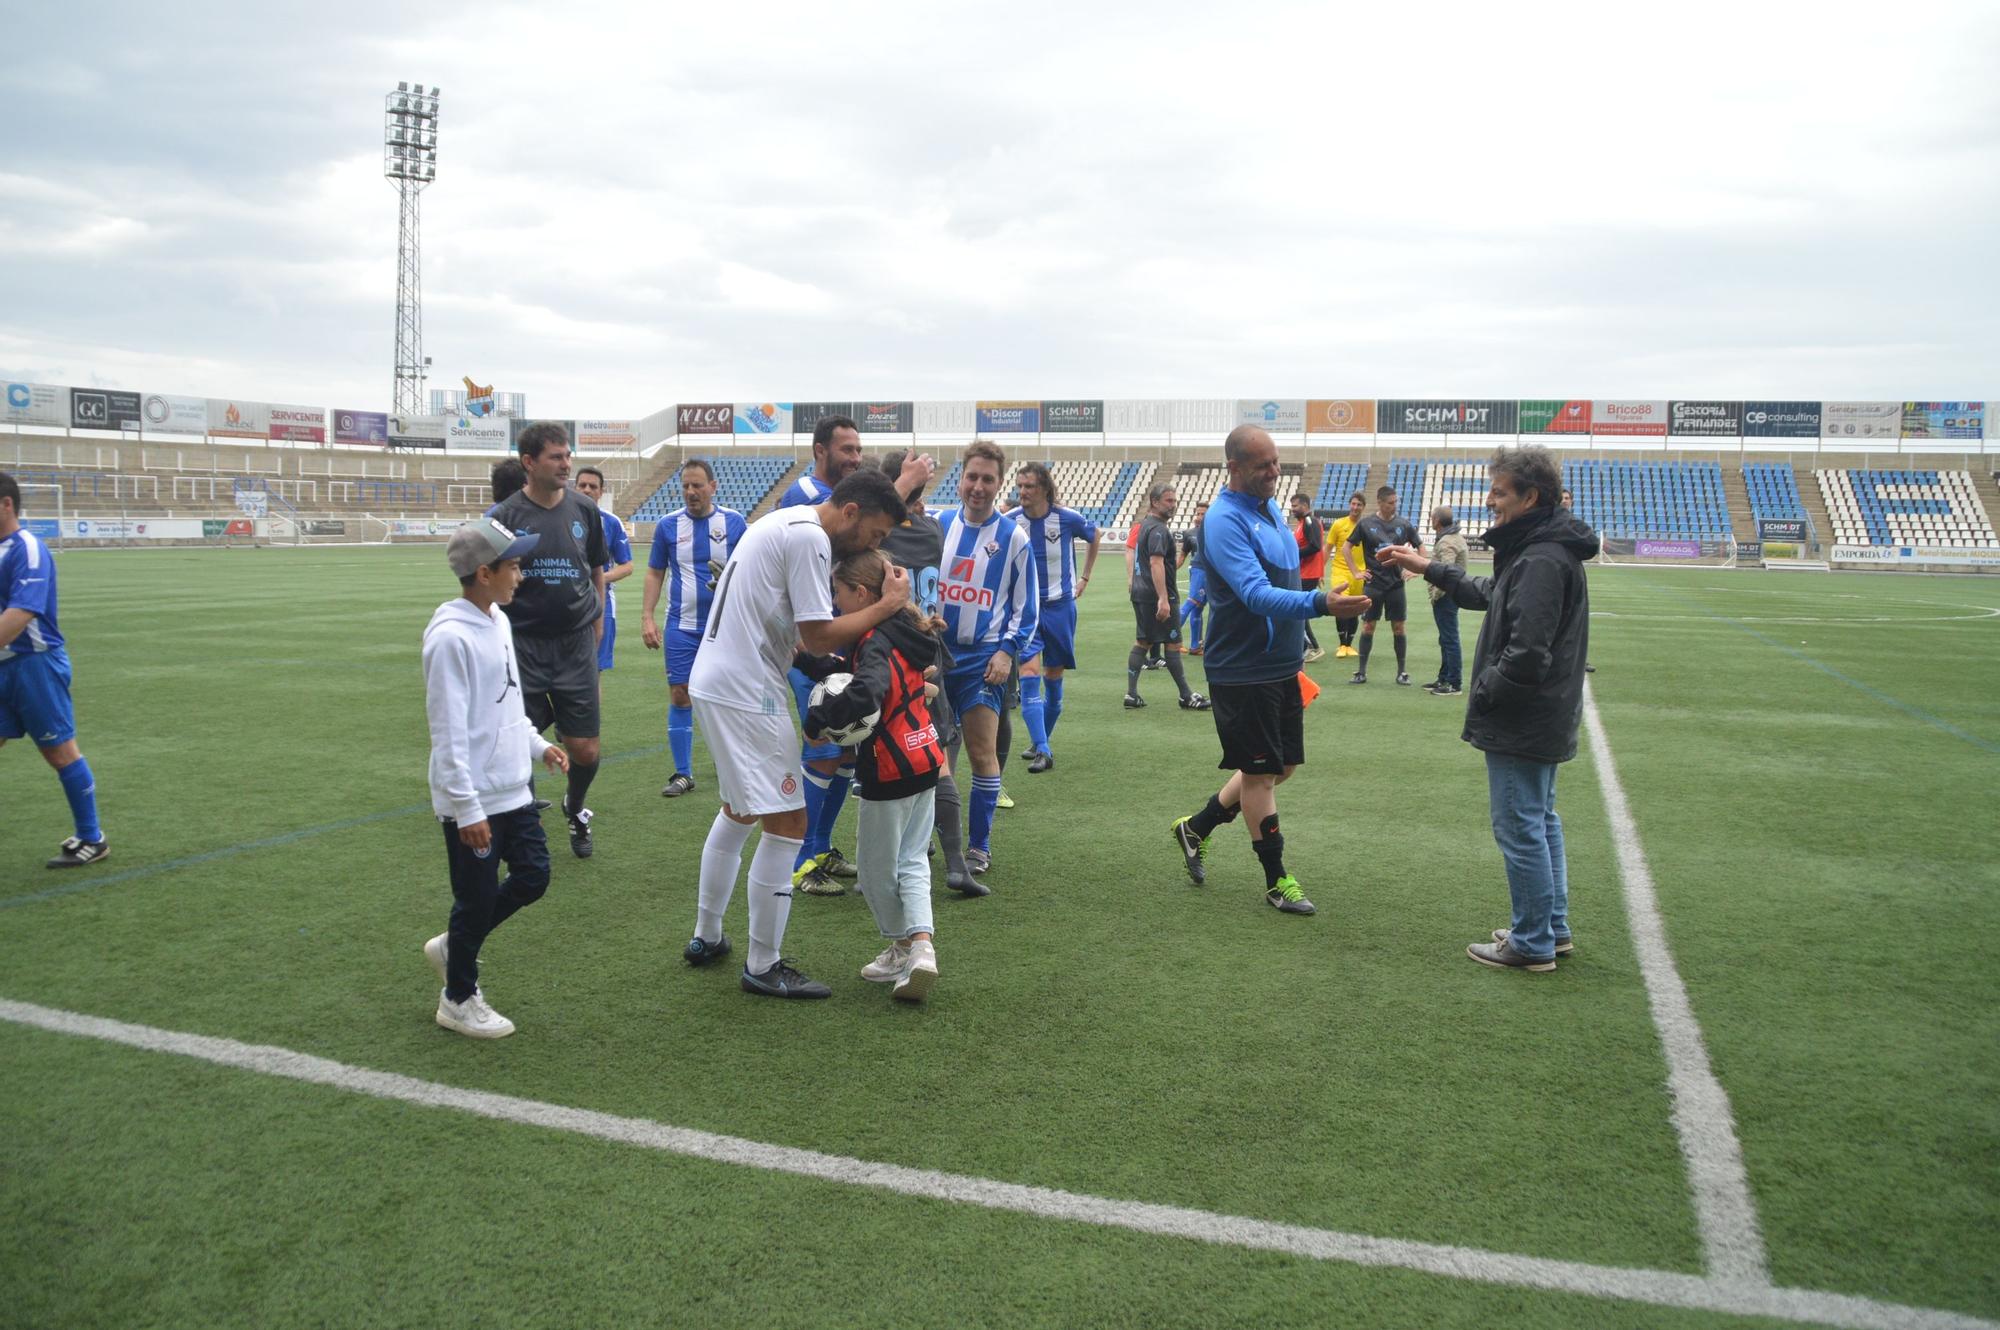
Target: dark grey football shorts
[(559, 681)]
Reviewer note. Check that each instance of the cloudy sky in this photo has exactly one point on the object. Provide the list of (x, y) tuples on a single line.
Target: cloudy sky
[(643, 204)]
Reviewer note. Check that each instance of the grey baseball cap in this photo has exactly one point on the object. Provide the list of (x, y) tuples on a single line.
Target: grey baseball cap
[(483, 541)]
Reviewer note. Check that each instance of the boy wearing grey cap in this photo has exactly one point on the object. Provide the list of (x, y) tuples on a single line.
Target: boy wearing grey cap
[(483, 749)]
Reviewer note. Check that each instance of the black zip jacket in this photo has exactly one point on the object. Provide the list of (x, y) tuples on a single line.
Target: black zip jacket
[(1527, 671)]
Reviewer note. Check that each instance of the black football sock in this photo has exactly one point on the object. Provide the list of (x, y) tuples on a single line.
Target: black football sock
[(1213, 815), (1179, 673), (580, 776), (1003, 738), (1346, 631), (1270, 848), (1133, 664), (1402, 653), (1312, 640), (1367, 645)]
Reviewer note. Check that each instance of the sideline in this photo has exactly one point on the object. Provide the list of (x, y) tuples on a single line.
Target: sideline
[(1657, 1287)]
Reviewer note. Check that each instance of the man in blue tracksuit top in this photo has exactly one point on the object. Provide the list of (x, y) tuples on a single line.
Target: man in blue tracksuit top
[(1256, 647)]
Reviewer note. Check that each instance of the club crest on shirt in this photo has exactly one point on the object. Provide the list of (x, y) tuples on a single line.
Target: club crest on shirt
[(718, 531), (992, 548), (789, 786), (576, 530)]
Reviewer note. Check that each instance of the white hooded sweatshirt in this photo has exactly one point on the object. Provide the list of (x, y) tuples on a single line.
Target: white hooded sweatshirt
[(482, 747)]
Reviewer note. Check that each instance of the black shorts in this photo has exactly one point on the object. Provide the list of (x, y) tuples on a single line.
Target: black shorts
[(559, 681), (1262, 725), (1392, 601), (1150, 629)]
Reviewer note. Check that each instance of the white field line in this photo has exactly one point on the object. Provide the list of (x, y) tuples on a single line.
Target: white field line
[(1656, 1287), (1732, 1245)]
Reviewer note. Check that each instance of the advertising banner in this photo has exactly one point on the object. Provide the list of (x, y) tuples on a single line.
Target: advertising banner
[(36, 404), (360, 426), (1861, 420), (1446, 417), (516, 424), (1279, 415), (321, 526), (805, 415), (1628, 419), (43, 528), (1202, 415), (134, 528), (1773, 528), (417, 432), (1073, 417), (1749, 551), (161, 414), (1907, 555), (1341, 415), (214, 528), (1944, 420), (100, 408), (886, 417), (1705, 419), (1781, 420), (946, 417), (487, 433), (1668, 549), (704, 418), (1008, 417), (600, 434), (762, 418), (1138, 416), (239, 419), (423, 526), (298, 424), (1548, 415)]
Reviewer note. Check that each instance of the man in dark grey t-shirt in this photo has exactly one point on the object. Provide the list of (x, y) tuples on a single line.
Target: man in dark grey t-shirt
[(1384, 585), (1156, 599), (558, 612)]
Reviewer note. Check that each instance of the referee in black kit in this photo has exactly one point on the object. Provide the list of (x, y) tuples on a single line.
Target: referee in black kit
[(558, 613)]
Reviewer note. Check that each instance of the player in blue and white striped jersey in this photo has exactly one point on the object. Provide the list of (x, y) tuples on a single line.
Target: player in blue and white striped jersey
[(836, 455), (991, 604), (690, 547), (34, 676), (1052, 535)]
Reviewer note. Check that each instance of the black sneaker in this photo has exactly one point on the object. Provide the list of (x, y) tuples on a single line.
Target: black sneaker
[(1194, 702), (834, 864), (1156, 663), (1133, 701), (1040, 762), (679, 785), (542, 805), (1446, 690), (1193, 850), (784, 981), (579, 830), (1403, 679), (75, 853), (1359, 677), (700, 951), (965, 884)]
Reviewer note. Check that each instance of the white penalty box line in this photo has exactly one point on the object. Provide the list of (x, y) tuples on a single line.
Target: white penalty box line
[(1663, 1288)]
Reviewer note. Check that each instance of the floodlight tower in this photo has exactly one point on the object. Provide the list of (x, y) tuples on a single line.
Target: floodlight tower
[(409, 161)]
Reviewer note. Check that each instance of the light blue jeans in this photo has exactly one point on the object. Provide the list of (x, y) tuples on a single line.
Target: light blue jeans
[(1521, 796), (892, 868)]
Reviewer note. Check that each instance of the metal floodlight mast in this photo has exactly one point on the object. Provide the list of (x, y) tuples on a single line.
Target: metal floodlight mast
[(409, 161)]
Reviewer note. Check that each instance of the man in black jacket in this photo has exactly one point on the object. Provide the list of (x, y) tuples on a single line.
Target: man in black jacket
[(1527, 689)]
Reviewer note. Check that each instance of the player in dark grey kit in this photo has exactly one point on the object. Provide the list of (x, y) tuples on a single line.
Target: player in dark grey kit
[(558, 612), (1156, 600), (1383, 584)]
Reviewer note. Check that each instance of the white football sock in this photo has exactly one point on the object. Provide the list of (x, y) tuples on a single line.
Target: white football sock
[(770, 899), (721, 860)]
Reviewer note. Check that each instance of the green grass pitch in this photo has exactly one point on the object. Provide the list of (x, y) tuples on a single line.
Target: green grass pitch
[(1811, 762)]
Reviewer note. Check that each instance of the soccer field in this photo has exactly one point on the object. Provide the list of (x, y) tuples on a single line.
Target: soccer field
[(1130, 1101)]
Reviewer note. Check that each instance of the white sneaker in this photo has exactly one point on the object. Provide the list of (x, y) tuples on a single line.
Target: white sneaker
[(473, 1017), (438, 951), (889, 966), (920, 976)]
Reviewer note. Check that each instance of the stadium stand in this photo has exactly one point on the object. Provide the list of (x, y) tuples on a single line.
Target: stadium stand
[(1422, 486), (1105, 492), (1673, 500), (1870, 507), (740, 483), (1774, 492), (1336, 482)]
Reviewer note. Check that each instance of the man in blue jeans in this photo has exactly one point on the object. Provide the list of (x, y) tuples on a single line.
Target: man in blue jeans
[(1527, 689)]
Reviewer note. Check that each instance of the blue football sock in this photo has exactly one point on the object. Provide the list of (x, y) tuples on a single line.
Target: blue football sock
[(680, 739), (979, 813), (1194, 625), (819, 836), (80, 788), (1032, 711), (1052, 705), (816, 783)]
